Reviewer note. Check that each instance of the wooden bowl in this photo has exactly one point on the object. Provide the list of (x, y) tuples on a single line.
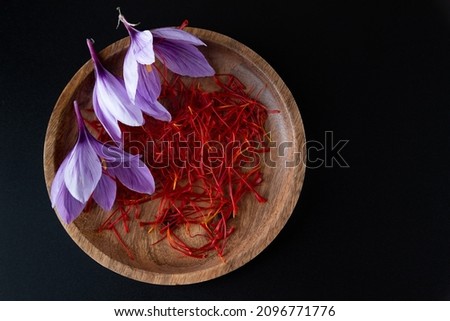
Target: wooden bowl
[(256, 225)]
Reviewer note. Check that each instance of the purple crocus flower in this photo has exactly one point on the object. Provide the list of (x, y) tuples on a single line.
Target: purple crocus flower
[(110, 100), (175, 48), (91, 169), (141, 81)]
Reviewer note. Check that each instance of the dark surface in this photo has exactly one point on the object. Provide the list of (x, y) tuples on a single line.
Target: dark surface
[(375, 74)]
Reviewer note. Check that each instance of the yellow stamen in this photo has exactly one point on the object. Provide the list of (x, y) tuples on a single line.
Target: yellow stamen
[(103, 163)]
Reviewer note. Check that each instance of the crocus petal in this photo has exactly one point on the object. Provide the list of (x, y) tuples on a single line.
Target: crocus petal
[(111, 96), (141, 43), (105, 192), (154, 109), (108, 121), (83, 169), (58, 183), (114, 154), (134, 175), (67, 207), (149, 84), (183, 59), (148, 91), (175, 34), (130, 74)]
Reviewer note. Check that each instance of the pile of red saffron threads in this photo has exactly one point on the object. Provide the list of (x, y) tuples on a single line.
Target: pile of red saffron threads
[(204, 162)]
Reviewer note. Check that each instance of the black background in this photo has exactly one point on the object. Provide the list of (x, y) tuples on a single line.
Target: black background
[(374, 73)]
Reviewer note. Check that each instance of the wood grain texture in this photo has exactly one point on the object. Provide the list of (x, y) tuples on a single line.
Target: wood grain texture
[(256, 224)]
